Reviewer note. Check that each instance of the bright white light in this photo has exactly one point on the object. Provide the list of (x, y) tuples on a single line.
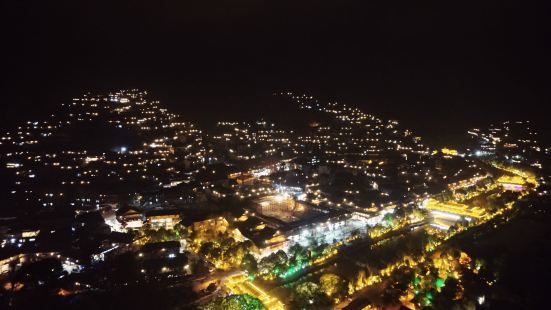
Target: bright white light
[(424, 204), (281, 197), (446, 215), (481, 299), (442, 227)]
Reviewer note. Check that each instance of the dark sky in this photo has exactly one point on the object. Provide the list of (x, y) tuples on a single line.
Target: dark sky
[(437, 66)]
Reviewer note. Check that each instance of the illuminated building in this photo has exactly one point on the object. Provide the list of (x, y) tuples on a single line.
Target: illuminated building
[(68, 264), (452, 209), (245, 179), (270, 236), (131, 218), (20, 237), (166, 219), (211, 228), (282, 207), (513, 183)]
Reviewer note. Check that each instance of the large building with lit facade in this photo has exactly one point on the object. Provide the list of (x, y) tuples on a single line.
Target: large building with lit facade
[(270, 236), (166, 219), (513, 183)]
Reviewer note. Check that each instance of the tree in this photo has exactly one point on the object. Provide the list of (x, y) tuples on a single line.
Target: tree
[(298, 253), (321, 249), (181, 232), (400, 212), (249, 263), (267, 264), (309, 295), (281, 257), (360, 278), (332, 285), (388, 220), (235, 302), (234, 254), (420, 214), (377, 231), (307, 290), (449, 293), (207, 248)]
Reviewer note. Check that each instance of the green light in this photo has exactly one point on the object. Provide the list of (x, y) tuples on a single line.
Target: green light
[(440, 283), (293, 269)]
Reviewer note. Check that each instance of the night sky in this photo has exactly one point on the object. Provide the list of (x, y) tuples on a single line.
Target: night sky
[(437, 66)]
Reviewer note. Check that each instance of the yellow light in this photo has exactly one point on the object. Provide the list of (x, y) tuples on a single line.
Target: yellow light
[(450, 152)]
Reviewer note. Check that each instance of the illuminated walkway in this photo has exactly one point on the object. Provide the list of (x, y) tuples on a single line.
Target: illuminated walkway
[(241, 285)]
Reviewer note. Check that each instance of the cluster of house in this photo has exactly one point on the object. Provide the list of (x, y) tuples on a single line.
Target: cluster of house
[(21, 246), (134, 218)]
